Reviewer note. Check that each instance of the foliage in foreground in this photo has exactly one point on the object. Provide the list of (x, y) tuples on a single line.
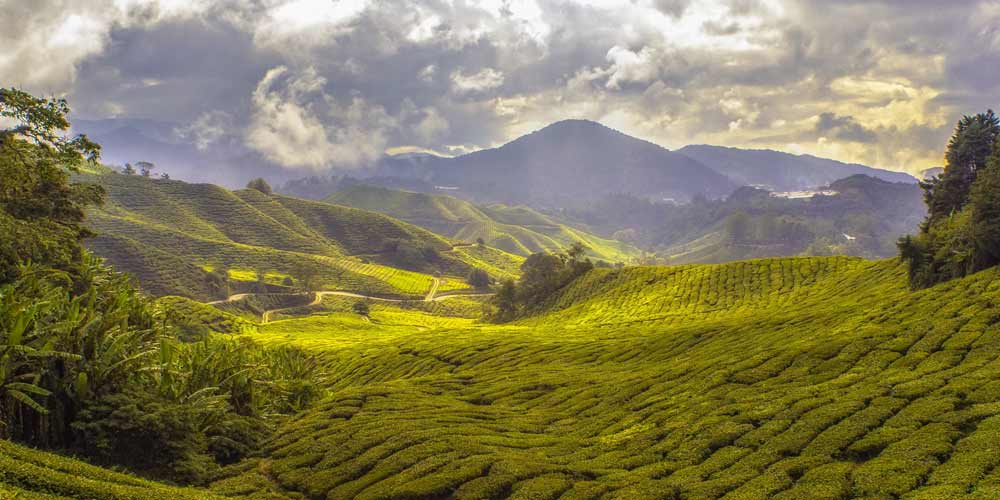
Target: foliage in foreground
[(86, 362)]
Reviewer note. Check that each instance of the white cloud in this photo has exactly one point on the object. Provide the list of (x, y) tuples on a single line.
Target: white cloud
[(295, 123), (481, 81), (207, 129), (286, 24), (631, 67)]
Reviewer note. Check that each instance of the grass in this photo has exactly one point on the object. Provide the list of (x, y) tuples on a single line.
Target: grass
[(780, 378), (170, 234), (514, 230)]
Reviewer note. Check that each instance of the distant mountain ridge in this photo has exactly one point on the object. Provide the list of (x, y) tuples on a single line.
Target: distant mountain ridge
[(563, 163), (572, 161), (780, 171)]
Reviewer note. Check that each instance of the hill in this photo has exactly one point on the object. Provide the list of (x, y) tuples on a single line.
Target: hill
[(171, 234), (653, 383), (569, 162), (778, 171), (822, 377), (517, 230), (28, 474), (564, 163), (859, 215)]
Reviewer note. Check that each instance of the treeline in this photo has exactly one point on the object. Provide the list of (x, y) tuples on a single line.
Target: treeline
[(542, 275), (961, 234), (89, 365)]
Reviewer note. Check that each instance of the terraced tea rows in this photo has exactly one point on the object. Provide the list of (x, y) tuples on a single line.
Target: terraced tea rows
[(34, 475), (789, 379), (168, 233)]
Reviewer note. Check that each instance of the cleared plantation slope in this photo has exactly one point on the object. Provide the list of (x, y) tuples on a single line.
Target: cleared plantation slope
[(168, 233), (784, 378), (517, 230)]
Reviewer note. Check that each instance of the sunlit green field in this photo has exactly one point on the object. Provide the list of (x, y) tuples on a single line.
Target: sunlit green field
[(792, 378)]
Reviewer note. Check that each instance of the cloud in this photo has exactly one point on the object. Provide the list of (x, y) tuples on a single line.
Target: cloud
[(631, 67), (844, 128), (297, 124), (478, 82), (207, 129), (879, 82)]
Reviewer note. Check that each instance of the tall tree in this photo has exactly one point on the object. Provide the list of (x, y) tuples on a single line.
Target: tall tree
[(985, 217), (41, 213), (968, 150)]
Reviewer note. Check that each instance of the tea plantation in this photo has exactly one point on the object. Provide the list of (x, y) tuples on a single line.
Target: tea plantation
[(169, 233), (785, 378)]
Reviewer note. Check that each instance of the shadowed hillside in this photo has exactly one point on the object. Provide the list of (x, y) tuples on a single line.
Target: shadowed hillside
[(518, 230)]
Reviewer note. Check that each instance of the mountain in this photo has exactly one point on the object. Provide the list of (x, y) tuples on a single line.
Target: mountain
[(518, 230), (779, 171), (565, 163), (859, 215), (171, 234)]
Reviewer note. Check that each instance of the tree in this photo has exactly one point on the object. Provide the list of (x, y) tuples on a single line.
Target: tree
[(306, 274), (145, 168), (984, 200), (960, 235), (968, 150), (361, 307), (478, 278), (41, 213), (542, 275), (260, 184), (128, 169), (505, 301)]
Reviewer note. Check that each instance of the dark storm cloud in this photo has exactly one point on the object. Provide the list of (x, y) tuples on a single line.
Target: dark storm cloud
[(870, 81)]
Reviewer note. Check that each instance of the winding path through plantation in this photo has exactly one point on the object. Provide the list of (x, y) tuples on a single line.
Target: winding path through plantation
[(318, 298)]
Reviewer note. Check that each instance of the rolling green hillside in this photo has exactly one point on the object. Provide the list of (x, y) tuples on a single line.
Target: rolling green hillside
[(517, 230), (788, 378), (782, 378), (170, 233)]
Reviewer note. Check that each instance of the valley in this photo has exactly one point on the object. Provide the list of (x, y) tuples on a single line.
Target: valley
[(573, 314)]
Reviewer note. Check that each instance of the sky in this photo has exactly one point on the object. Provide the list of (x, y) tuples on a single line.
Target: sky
[(312, 84)]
